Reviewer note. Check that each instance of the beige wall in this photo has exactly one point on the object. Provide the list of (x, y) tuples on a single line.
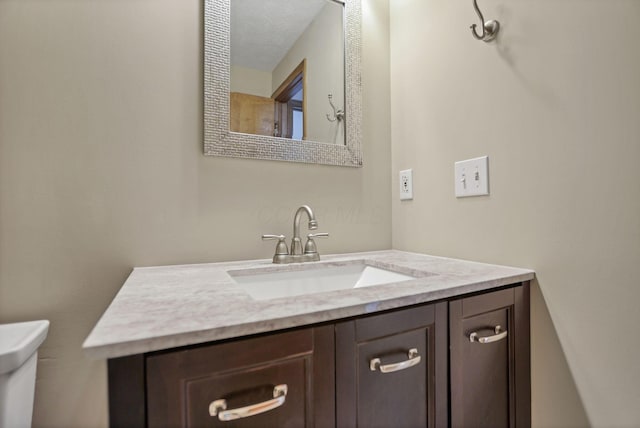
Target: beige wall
[(101, 169), (321, 45), (250, 81), (555, 104)]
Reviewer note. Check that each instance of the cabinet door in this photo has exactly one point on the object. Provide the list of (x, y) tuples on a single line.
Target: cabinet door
[(279, 380), (489, 359), (391, 369)]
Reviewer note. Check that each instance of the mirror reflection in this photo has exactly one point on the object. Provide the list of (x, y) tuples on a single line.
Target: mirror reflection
[(287, 69)]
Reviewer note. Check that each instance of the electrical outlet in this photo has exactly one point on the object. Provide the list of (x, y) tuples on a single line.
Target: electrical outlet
[(472, 177), (406, 185)]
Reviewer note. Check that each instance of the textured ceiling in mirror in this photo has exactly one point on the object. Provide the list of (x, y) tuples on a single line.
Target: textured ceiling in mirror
[(219, 141), (254, 44)]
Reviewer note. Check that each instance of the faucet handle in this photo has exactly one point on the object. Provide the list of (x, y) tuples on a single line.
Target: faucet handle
[(281, 246), (318, 235), (269, 237), (310, 246)]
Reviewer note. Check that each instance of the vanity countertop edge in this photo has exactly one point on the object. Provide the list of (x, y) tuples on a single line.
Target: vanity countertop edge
[(165, 307)]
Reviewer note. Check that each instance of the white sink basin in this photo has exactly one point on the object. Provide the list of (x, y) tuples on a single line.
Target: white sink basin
[(263, 285)]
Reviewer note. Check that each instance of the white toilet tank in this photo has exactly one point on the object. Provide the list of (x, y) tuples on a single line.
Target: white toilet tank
[(19, 343)]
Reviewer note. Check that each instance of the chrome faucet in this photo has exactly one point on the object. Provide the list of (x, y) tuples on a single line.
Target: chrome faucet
[(297, 254), (296, 243)]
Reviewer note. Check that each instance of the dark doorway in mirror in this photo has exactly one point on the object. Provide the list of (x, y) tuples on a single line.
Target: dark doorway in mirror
[(290, 106)]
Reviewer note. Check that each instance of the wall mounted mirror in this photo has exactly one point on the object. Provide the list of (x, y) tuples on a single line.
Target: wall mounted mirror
[(282, 80)]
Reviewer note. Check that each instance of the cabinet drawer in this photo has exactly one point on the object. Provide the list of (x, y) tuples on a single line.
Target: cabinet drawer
[(389, 369), (405, 391), (182, 386), (489, 339), (253, 388), (486, 381)]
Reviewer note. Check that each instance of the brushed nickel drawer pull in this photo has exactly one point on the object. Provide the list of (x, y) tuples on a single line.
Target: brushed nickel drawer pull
[(414, 359), (219, 407), (473, 337)]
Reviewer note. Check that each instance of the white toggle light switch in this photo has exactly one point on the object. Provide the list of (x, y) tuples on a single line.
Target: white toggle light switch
[(406, 184), (472, 177)]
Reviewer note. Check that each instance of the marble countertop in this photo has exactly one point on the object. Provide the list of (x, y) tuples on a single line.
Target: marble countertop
[(169, 306)]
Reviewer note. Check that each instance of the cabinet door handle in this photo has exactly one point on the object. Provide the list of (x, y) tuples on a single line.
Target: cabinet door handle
[(219, 407), (414, 359), (473, 337)]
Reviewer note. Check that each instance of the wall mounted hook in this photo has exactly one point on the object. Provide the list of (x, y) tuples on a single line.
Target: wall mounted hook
[(338, 114), (489, 28)]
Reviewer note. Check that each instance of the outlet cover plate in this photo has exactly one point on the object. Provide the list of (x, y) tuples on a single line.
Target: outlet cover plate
[(472, 177), (406, 184)]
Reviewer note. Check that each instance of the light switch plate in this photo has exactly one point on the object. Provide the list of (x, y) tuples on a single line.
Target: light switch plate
[(406, 185), (472, 177)]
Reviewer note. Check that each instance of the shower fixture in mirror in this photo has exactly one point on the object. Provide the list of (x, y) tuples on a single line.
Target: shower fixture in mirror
[(275, 73)]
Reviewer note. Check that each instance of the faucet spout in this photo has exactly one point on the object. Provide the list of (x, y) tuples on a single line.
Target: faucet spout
[(296, 253), (296, 243)]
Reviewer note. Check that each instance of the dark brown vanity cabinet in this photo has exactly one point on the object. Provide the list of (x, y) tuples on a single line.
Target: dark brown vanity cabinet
[(490, 359), (462, 362)]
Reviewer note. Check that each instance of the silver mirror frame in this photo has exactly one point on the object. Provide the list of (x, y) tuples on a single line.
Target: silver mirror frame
[(219, 141)]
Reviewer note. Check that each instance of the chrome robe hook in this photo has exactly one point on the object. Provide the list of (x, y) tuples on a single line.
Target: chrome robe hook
[(489, 28), (338, 114)]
